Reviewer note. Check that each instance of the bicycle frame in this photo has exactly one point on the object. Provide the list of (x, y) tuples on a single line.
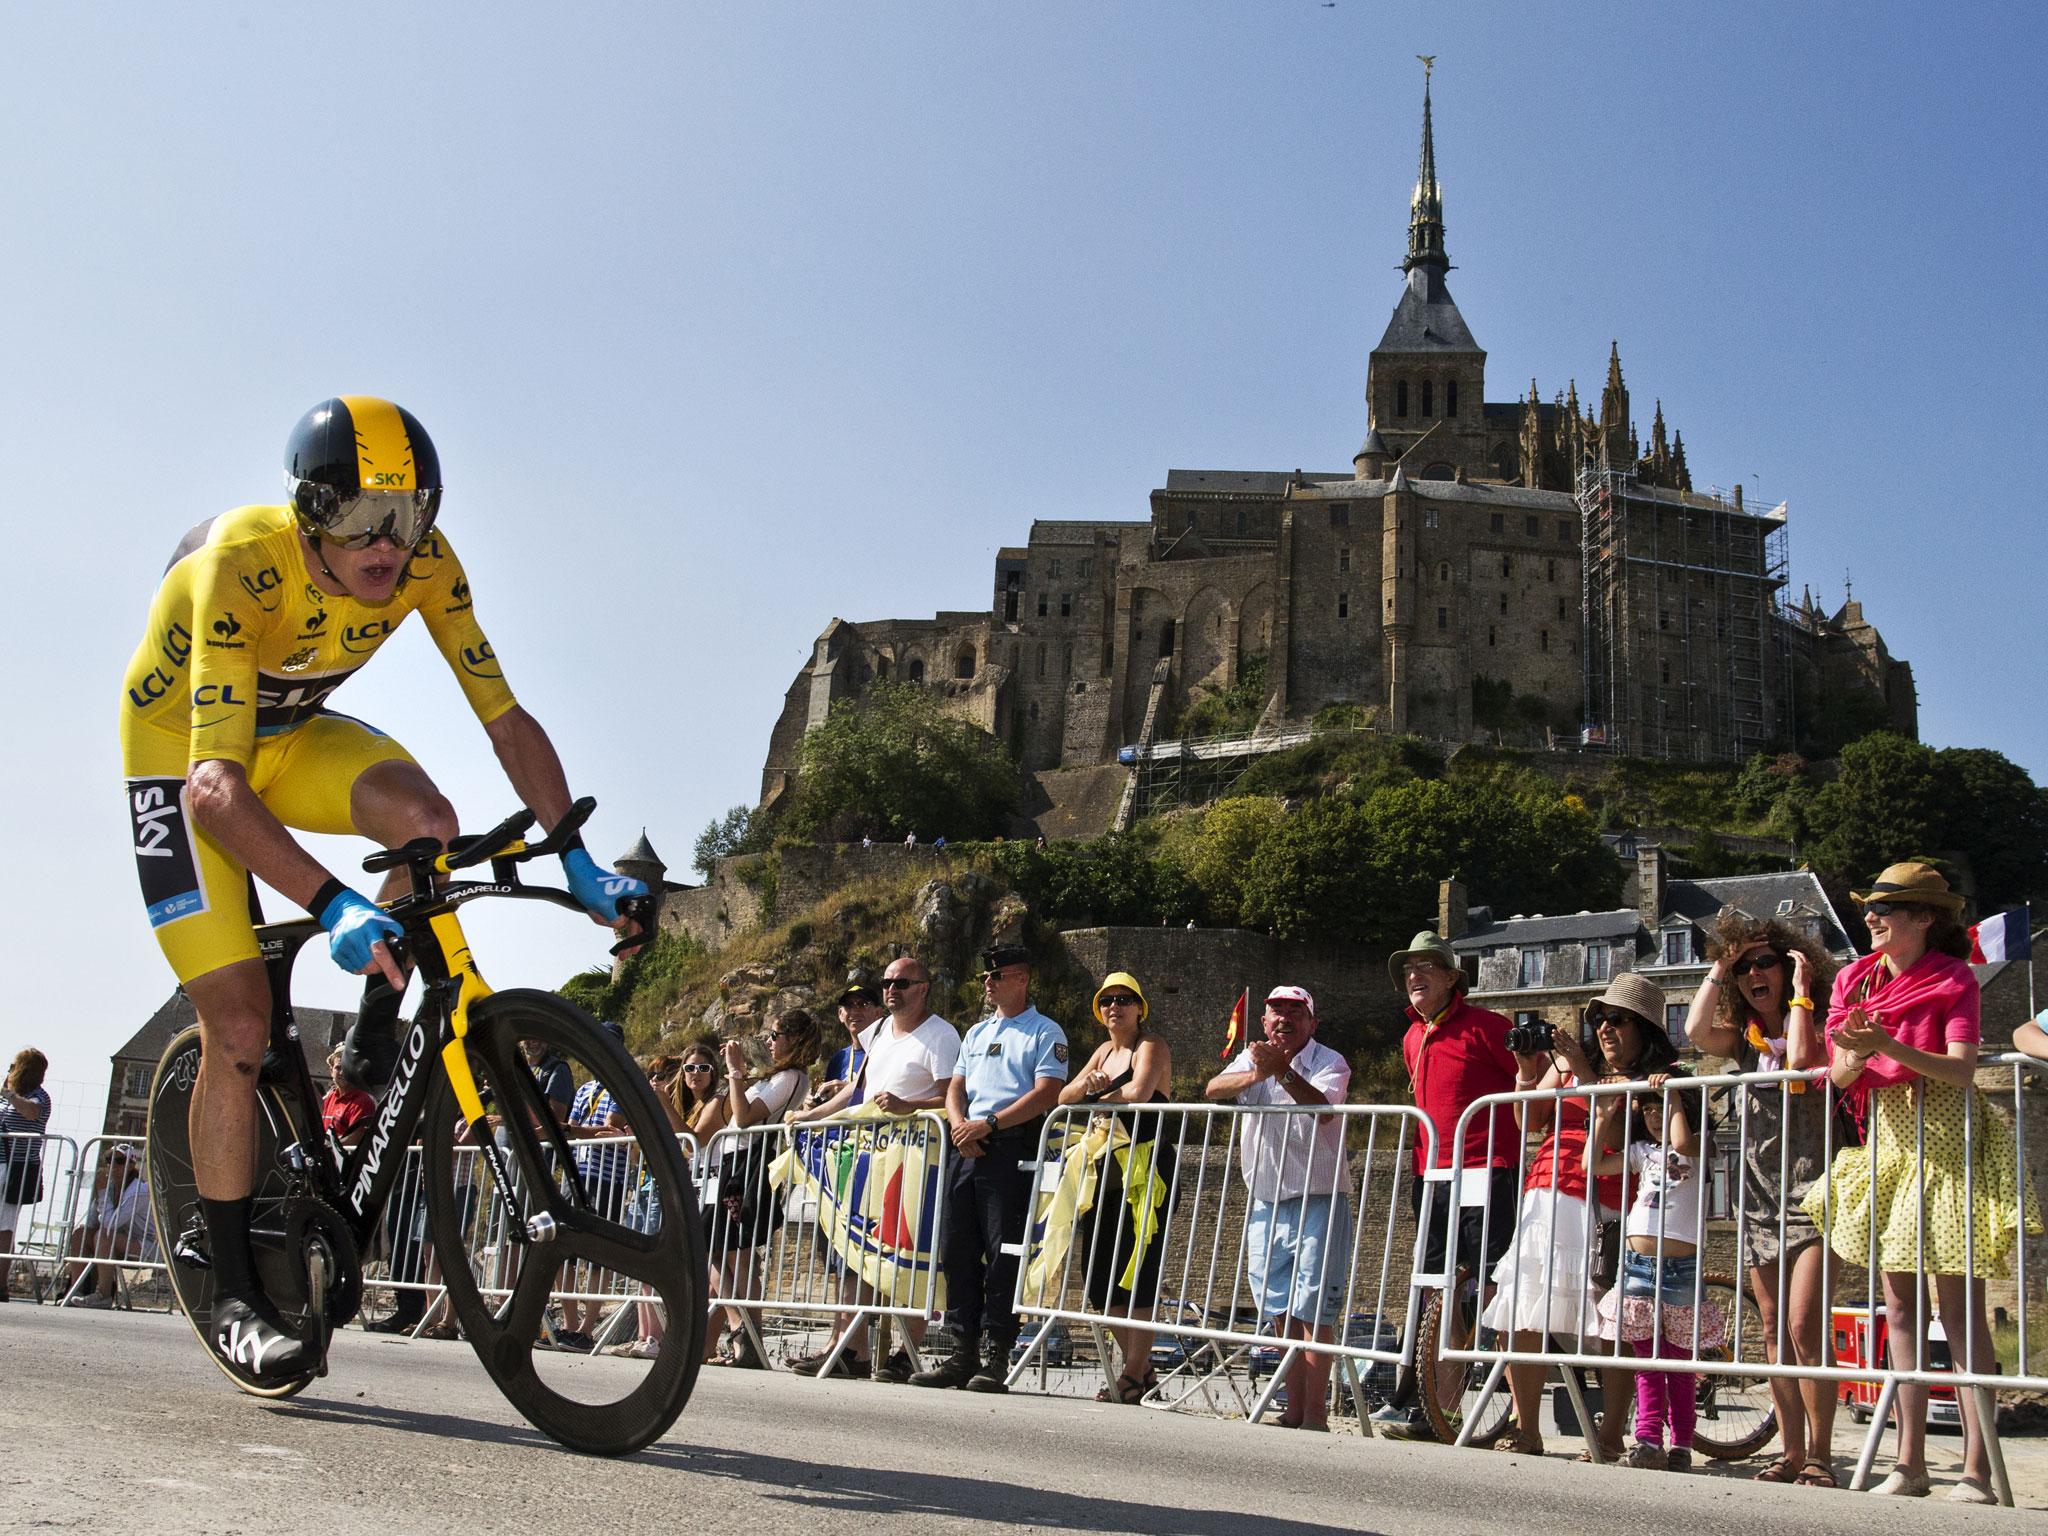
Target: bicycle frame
[(357, 1182)]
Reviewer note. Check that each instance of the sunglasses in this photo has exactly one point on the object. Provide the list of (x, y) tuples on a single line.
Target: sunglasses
[(899, 982), (358, 521), (1609, 1019), (1001, 975), (699, 1066), (1769, 960), (778, 1034), (1887, 908), (1118, 1000)]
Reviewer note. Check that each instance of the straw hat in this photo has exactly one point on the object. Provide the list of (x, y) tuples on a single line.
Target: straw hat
[(1914, 882)]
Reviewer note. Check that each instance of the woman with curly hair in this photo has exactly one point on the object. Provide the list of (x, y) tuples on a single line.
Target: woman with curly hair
[(1756, 1007), (1936, 1192)]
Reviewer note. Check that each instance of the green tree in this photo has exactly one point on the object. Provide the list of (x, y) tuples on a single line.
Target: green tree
[(1114, 879), (1998, 819), (1217, 850), (1887, 803), (890, 762), (724, 836)]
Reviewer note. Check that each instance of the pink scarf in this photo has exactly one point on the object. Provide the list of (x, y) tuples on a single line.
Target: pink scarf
[(1916, 1007)]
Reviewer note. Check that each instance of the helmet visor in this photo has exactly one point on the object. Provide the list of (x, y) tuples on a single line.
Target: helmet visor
[(358, 521)]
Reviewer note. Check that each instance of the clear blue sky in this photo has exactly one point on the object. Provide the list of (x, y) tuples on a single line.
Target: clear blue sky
[(728, 319)]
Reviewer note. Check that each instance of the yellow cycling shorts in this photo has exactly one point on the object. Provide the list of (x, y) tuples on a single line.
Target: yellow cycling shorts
[(196, 892)]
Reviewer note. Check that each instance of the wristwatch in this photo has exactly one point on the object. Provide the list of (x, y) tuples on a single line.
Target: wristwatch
[(989, 1120)]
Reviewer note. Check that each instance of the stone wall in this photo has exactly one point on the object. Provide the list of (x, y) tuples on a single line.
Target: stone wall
[(1192, 978)]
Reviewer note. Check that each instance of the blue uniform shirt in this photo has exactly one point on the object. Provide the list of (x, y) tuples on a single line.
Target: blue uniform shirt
[(1002, 1059)]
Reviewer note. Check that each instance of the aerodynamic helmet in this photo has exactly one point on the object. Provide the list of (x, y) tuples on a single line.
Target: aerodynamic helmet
[(359, 469)]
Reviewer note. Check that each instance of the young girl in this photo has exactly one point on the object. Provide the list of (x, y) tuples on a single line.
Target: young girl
[(1652, 1306)]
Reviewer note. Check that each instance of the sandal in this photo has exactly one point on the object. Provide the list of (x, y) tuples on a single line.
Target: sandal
[(1785, 1469), (1816, 1474), (1128, 1391), (1515, 1443)]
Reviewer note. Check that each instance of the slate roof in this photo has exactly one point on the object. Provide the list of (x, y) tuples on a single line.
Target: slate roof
[(1695, 901), (1760, 896), (1427, 318), (319, 1030), (1254, 482), (1579, 927)]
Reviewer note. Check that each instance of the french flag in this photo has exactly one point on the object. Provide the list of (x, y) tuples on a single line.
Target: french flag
[(2003, 937)]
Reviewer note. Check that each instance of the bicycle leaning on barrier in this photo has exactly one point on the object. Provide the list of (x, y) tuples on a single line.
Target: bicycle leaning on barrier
[(488, 1144)]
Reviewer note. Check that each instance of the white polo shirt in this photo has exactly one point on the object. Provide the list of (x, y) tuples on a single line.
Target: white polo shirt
[(1286, 1156)]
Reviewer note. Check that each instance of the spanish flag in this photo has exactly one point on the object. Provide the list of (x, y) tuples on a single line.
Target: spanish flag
[(1233, 1038)]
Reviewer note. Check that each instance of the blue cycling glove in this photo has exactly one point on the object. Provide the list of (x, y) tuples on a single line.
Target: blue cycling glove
[(600, 890), (353, 924)]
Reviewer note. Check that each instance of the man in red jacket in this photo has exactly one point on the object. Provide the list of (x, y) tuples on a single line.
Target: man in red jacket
[(1455, 1053)]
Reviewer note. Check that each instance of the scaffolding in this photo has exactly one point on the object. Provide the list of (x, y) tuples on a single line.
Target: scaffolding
[(1171, 774), (1686, 655)]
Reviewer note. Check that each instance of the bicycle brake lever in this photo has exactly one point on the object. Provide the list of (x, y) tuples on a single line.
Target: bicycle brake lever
[(645, 911)]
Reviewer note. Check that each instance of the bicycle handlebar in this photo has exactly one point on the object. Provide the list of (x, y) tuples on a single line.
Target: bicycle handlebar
[(503, 847)]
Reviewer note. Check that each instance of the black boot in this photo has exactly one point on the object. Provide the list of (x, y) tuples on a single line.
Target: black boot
[(994, 1373), (951, 1372)]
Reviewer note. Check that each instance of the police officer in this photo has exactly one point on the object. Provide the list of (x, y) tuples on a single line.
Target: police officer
[(1011, 1066)]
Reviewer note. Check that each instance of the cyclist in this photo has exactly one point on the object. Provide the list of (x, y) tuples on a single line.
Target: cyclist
[(226, 740)]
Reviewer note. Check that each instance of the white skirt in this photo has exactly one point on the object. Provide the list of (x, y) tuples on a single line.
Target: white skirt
[(1543, 1280)]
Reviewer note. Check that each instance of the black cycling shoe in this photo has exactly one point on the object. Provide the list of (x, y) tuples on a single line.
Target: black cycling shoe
[(252, 1342)]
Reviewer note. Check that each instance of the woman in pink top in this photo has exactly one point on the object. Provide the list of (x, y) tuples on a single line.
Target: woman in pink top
[(1902, 1051)]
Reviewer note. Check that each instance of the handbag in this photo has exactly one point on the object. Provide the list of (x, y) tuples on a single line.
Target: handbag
[(743, 1184), (1607, 1255), (24, 1182)]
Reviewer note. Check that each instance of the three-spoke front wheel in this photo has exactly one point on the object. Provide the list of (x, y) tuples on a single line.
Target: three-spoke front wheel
[(607, 1223)]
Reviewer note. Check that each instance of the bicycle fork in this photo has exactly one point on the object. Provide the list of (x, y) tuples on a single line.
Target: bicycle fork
[(469, 989)]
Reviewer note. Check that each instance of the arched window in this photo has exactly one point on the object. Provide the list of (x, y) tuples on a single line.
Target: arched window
[(1451, 397), (915, 671), (1504, 463), (1428, 397), (1441, 471), (963, 664)]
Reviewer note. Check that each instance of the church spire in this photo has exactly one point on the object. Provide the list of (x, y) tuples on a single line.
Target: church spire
[(1426, 208)]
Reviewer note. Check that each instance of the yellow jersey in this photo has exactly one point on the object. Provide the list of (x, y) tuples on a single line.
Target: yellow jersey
[(242, 646)]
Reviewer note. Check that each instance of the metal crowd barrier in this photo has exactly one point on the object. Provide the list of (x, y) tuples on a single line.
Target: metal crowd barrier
[(1184, 1252), (31, 1162), (109, 1234), (1750, 1352), (840, 1217), (610, 1170)]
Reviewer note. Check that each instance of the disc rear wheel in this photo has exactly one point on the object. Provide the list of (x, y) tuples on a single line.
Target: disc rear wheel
[(284, 1225), (607, 1227)]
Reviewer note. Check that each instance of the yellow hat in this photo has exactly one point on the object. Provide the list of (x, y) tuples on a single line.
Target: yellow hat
[(1127, 981)]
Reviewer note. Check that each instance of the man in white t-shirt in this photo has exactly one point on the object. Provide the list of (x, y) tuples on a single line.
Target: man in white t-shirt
[(909, 1055), (1298, 1231)]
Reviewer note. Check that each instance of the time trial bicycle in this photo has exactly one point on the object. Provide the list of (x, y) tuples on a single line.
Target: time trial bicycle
[(510, 1208)]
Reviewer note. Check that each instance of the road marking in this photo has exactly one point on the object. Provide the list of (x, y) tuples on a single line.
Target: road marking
[(271, 1450)]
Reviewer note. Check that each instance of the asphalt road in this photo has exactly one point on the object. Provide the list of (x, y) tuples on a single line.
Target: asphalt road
[(113, 1421)]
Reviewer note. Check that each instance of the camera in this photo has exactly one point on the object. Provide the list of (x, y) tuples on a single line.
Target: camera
[(1532, 1039)]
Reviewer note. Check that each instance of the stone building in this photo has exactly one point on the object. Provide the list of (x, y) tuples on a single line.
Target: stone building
[(1548, 968), (134, 1064), (1525, 571)]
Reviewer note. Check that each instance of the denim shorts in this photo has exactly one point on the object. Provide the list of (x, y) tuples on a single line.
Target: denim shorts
[(1672, 1280), (1298, 1256)]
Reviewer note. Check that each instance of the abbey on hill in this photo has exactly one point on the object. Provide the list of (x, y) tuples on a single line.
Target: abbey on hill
[(1526, 571)]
